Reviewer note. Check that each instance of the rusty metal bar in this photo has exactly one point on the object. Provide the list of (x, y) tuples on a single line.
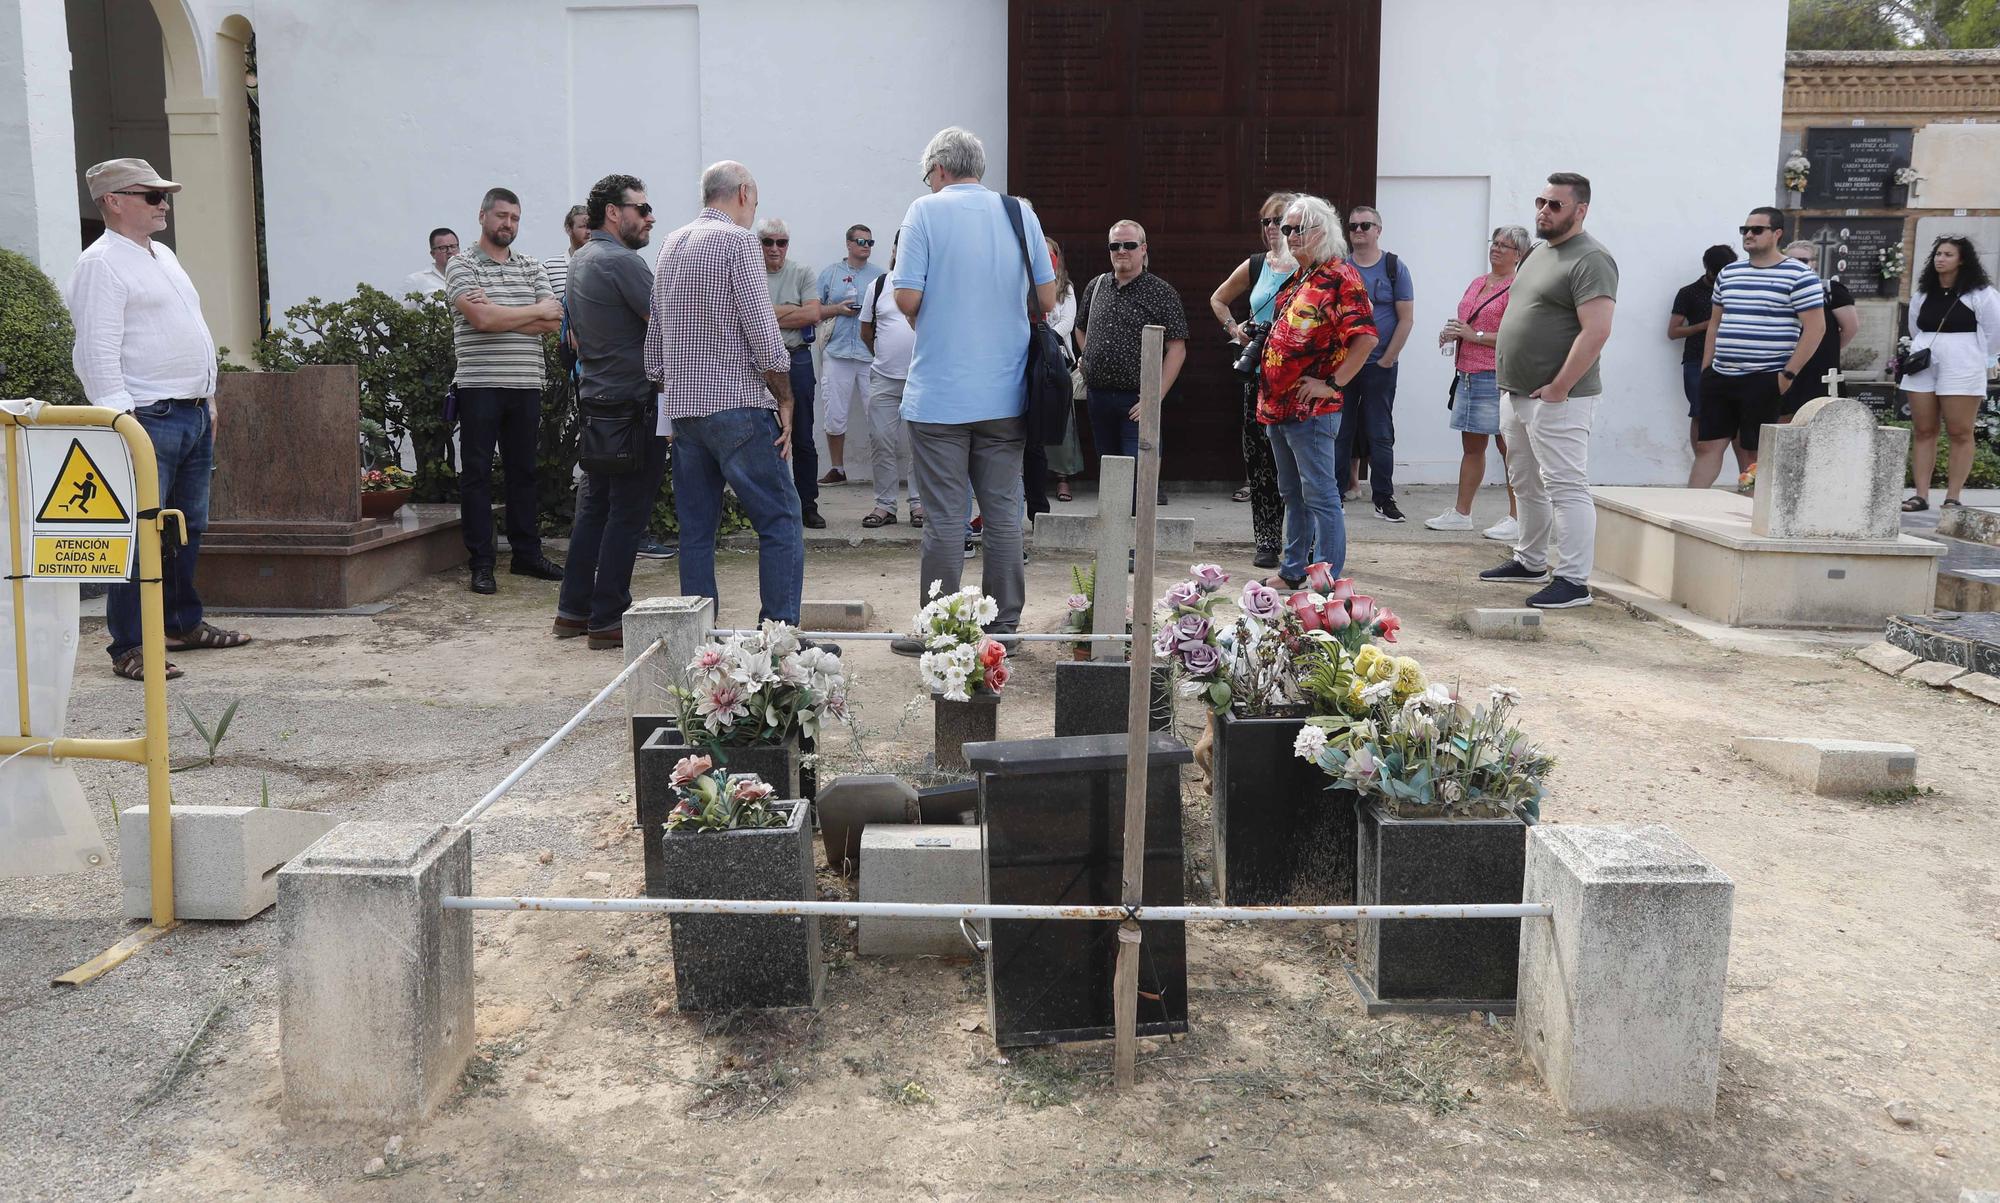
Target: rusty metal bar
[(989, 910)]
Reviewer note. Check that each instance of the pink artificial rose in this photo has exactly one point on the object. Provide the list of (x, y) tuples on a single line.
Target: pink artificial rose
[(991, 653), (751, 789), (1362, 607), (689, 768), (1334, 615), (1344, 588), (1386, 625), (1319, 577), (996, 677), (1308, 615), (1183, 593), (1209, 577)]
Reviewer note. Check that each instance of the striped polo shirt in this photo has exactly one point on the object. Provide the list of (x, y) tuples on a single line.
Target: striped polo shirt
[(1760, 314), (498, 360)]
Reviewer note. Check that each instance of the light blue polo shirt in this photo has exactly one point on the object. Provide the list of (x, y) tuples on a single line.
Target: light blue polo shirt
[(839, 284), (971, 360)]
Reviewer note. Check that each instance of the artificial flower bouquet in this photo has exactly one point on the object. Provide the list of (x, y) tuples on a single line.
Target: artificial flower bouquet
[(714, 799), (760, 687), (959, 658)]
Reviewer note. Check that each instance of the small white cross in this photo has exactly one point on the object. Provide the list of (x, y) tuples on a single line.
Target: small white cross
[(1832, 382)]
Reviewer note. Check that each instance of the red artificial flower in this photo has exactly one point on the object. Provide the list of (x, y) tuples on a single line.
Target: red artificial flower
[(1386, 625), (1309, 615), (1362, 607), (1319, 577), (991, 653), (996, 676)]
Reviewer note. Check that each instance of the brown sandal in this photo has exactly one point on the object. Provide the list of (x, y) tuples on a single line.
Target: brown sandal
[(203, 636), (132, 666)]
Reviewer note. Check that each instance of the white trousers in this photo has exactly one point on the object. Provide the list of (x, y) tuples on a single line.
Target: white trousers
[(1548, 463), (843, 383)]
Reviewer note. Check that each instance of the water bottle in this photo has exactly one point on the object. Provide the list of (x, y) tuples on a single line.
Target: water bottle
[(1449, 349)]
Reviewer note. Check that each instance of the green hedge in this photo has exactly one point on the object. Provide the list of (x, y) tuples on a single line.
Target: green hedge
[(36, 337), (403, 353), (1985, 472)]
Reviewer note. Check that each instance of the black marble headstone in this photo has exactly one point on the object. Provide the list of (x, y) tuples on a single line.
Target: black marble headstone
[(723, 962), (1971, 641), (1281, 835), (1850, 250), (653, 793), (1053, 816), (1092, 697), (1854, 167)]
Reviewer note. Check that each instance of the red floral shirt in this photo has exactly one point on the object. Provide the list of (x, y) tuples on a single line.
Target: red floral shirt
[(1316, 317)]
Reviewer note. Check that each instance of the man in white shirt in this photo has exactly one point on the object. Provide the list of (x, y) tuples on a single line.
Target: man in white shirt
[(444, 244), (576, 226), (142, 346), (890, 341)]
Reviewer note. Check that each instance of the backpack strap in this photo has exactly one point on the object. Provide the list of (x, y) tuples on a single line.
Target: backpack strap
[(1013, 208)]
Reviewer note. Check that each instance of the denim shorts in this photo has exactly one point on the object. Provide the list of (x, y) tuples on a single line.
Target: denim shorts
[(1476, 407)]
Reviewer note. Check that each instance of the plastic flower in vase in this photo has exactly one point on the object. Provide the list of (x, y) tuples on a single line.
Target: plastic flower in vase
[(714, 799), (1331, 605), (760, 687), (960, 659)]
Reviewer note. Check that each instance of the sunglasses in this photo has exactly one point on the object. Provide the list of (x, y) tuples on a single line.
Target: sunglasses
[(1756, 229), (1553, 206), (643, 210), (1290, 231), (862, 241), (152, 196), (1121, 246), (1269, 221), (775, 241), (1356, 227), (449, 248)]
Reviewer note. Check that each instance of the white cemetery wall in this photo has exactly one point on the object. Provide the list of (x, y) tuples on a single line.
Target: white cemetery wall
[(1663, 188), (38, 189)]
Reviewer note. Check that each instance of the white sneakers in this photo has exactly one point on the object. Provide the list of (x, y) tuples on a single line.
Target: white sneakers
[(1504, 531)]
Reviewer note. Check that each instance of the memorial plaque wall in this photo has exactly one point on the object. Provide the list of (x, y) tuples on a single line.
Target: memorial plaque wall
[(1851, 250), (1183, 115), (1855, 167)]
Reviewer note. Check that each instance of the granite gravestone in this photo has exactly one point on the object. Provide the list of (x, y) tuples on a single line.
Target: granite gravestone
[(1855, 167), (1052, 814), (653, 793), (1851, 250), (1093, 697), (1831, 473)]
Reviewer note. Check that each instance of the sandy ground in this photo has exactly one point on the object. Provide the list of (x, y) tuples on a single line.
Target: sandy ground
[(1866, 945)]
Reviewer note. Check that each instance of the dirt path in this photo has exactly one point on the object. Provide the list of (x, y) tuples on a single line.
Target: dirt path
[(1866, 944)]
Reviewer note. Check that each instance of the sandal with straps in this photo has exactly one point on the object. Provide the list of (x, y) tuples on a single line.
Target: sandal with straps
[(1915, 505), (203, 636), (132, 666), (879, 518)]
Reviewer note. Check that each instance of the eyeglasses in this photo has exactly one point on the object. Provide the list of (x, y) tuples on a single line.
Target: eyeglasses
[(1289, 231), (1756, 229), (1269, 221), (1356, 227), (152, 196), (643, 210), (775, 241), (449, 248), (1121, 246), (926, 181), (862, 241)]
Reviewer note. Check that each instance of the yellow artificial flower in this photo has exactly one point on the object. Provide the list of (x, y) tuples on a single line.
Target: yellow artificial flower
[(1355, 703), (1365, 662), (1409, 678)]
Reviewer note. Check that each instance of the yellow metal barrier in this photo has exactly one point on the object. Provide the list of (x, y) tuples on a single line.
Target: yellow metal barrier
[(149, 749)]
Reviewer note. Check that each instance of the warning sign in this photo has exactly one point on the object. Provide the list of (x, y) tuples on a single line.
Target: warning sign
[(80, 492), (77, 505)]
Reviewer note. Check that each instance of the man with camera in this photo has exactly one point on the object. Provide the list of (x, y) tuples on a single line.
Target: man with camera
[(609, 298), (1110, 314)]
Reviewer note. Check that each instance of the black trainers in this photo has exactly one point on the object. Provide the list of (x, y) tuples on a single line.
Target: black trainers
[(1561, 594), (1387, 511), (482, 579), (540, 567), (907, 647), (1265, 559), (1513, 572)]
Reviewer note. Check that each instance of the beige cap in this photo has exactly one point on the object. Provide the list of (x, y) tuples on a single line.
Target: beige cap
[(120, 175)]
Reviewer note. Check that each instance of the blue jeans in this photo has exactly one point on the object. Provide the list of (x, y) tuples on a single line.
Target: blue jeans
[(738, 447), (1371, 404), (1111, 430), (1303, 453), (805, 456), (612, 512), (184, 450)]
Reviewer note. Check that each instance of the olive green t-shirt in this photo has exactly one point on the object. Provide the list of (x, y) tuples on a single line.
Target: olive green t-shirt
[(792, 284), (1541, 323)]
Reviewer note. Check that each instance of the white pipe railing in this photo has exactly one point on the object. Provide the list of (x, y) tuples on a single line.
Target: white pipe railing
[(868, 636), (535, 757), (991, 910)]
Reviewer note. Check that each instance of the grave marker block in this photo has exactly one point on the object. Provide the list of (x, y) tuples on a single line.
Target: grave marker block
[(910, 862), (1833, 766), (226, 858), (1620, 1002), (684, 622), (1092, 697), (836, 616), (1504, 623), (1831, 473), (853, 802)]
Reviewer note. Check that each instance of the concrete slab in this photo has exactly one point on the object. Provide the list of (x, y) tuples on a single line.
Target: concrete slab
[(912, 862), (226, 858), (1834, 767), (1934, 673), (1504, 623), (1814, 642), (1980, 685), (1885, 657), (836, 616)]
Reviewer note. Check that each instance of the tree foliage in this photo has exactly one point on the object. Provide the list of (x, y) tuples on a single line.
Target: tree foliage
[(1893, 25), (36, 337)]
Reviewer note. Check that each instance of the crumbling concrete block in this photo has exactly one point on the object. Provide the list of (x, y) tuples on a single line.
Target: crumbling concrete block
[(1833, 766), (226, 858)]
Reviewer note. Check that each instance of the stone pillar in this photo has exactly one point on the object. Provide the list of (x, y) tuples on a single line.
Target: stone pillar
[(38, 194), (1620, 1002), (375, 997), (684, 622)]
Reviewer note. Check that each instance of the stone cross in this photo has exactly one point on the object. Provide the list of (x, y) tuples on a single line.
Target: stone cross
[(1109, 535), (1832, 381), (1831, 474)]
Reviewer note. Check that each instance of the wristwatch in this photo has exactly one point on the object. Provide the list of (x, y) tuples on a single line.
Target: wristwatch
[(1788, 375)]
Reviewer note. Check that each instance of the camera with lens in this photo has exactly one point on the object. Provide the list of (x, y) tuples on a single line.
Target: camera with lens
[(1251, 361)]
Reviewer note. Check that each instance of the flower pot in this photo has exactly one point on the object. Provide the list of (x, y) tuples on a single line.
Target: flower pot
[(725, 962), (1079, 651), (653, 793), (1281, 833), (1437, 965), (956, 724), (383, 504)]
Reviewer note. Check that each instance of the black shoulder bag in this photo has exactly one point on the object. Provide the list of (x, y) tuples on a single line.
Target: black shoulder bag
[(1049, 385), (610, 434)]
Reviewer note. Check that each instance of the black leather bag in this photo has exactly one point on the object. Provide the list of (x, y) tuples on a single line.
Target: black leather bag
[(611, 435), (1051, 392)]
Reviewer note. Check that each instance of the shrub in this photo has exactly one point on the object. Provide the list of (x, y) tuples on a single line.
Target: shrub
[(1985, 472), (36, 337)]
